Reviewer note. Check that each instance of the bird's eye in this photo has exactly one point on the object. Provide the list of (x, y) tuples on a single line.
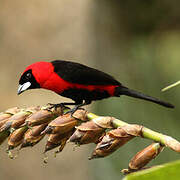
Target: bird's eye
[(28, 75)]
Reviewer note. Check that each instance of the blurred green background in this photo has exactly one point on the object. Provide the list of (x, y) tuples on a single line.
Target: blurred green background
[(138, 42)]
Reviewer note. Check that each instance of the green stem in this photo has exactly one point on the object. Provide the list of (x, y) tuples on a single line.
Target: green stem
[(146, 133), (155, 136), (91, 116), (118, 123)]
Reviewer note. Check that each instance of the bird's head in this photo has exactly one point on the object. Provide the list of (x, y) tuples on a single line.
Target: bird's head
[(35, 76)]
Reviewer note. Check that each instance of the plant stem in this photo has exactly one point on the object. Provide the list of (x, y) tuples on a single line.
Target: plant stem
[(146, 133), (170, 86)]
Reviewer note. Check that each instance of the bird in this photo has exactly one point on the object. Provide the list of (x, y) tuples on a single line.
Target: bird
[(78, 82)]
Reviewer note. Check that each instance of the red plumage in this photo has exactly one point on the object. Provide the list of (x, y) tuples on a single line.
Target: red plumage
[(48, 79)]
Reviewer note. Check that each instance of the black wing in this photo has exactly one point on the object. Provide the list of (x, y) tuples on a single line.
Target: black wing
[(81, 74)]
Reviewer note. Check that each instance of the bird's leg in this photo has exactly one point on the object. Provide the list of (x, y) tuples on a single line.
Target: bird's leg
[(62, 105), (77, 106)]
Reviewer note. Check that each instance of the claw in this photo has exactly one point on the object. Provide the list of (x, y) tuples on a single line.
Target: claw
[(61, 105), (72, 111)]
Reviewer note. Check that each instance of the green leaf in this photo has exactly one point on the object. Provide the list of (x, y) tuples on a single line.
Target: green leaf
[(163, 172)]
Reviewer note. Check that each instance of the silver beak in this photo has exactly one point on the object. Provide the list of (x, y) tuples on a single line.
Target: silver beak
[(23, 87)]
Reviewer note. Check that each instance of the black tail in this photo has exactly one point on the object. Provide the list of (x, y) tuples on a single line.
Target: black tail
[(133, 93)]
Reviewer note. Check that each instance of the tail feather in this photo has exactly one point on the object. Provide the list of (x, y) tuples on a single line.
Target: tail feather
[(135, 94)]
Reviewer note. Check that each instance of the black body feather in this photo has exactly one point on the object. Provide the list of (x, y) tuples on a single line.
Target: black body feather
[(81, 74)]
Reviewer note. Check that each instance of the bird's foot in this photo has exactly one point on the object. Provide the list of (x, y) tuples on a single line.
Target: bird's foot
[(73, 110), (55, 106)]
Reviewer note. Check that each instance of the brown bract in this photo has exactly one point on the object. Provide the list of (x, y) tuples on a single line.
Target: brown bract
[(4, 116), (145, 156), (86, 133), (43, 116), (16, 120), (13, 110), (172, 143), (110, 142), (104, 122), (33, 136), (56, 140), (4, 121), (133, 129), (16, 138), (81, 115), (65, 123)]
